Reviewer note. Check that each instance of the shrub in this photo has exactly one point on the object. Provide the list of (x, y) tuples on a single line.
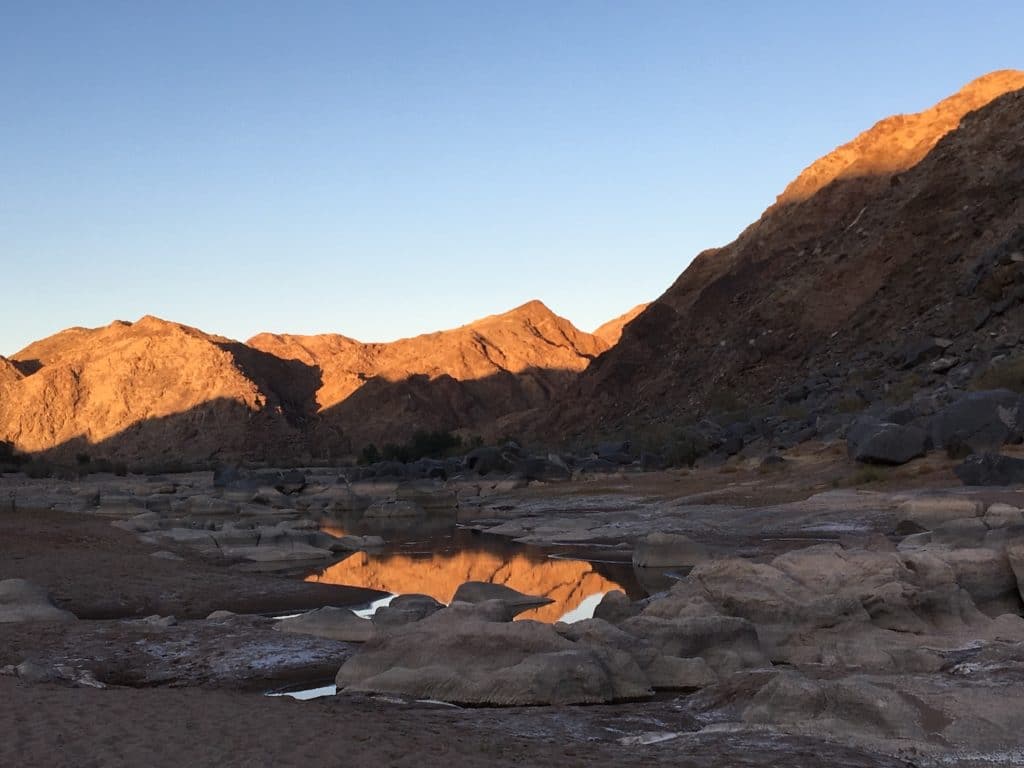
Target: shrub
[(422, 445)]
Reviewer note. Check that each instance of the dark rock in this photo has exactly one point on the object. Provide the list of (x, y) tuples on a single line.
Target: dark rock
[(916, 351), (481, 591), (616, 606), (887, 443), (990, 469), (980, 420), (733, 444), (486, 460), (406, 609)]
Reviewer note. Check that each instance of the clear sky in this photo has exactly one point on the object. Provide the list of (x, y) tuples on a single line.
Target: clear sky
[(381, 169)]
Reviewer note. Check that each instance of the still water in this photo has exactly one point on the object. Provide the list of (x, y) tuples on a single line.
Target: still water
[(434, 559)]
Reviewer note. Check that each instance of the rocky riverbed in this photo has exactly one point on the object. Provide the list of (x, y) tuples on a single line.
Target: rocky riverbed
[(802, 615)]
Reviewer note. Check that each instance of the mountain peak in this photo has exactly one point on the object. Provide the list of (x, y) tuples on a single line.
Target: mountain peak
[(901, 141)]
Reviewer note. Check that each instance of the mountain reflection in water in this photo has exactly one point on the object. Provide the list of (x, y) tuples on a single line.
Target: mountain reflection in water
[(439, 572)]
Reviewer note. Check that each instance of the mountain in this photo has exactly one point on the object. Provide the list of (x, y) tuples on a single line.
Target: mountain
[(469, 377), (611, 332), (151, 390), (157, 391), (904, 242)]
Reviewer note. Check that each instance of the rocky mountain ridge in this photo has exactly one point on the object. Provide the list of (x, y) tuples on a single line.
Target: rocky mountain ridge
[(886, 283), (155, 390)]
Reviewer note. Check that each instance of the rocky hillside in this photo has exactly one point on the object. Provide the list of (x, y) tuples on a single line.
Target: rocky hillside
[(159, 391), (151, 390), (889, 267), (471, 377)]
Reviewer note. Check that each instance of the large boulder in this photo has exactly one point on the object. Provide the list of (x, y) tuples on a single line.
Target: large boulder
[(990, 469), (459, 658), (22, 600), (481, 591), (886, 443), (929, 512), (838, 708), (332, 623), (663, 672), (979, 421), (405, 609)]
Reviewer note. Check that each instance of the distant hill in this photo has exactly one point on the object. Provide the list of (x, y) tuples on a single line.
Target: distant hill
[(158, 391)]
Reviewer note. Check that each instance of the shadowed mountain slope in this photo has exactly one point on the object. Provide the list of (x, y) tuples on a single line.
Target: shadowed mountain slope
[(907, 233)]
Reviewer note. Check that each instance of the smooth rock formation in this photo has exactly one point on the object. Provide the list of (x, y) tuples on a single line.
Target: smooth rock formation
[(22, 600), (332, 623), (465, 660)]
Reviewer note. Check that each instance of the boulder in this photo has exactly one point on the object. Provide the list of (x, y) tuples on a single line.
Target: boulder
[(480, 591), (963, 532), (615, 607), (929, 512), (332, 623), (990, 469), (887, 443), (663, 672), (405, 609), (979, 420), (465, 660), (1003, 515), (488, 459), (838, 708), (21, 601), (987, 575)]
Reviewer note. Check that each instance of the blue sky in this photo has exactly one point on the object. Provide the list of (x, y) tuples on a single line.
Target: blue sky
[(382, 169)]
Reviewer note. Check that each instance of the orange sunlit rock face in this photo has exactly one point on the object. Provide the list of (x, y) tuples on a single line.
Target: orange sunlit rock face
[(567, 582)]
